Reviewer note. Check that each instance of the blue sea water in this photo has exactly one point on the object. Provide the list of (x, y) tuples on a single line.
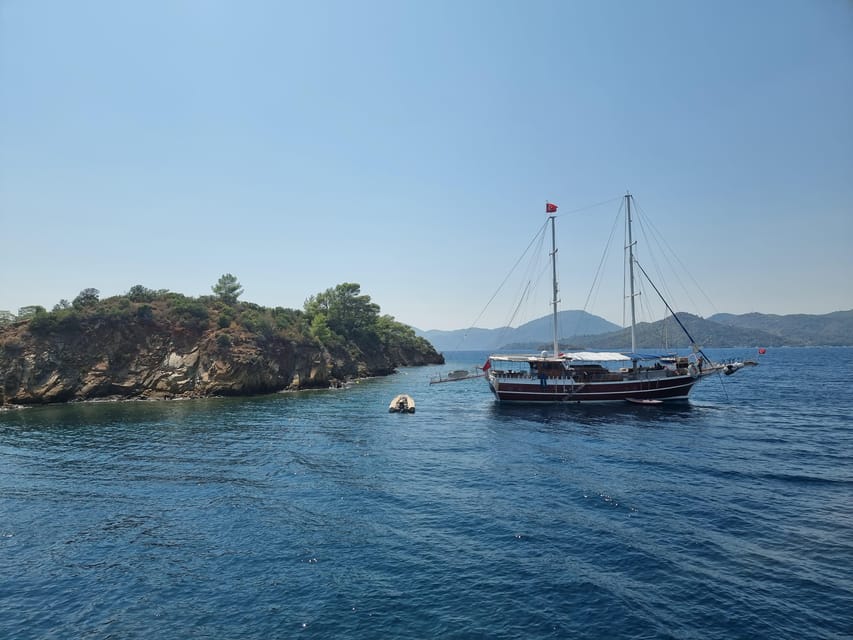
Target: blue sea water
[(321, 515)]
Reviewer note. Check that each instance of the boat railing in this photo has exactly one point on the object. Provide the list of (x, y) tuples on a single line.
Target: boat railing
[(641, 373)]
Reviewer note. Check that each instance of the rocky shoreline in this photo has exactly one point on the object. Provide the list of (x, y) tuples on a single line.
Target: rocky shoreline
[(108, 358)]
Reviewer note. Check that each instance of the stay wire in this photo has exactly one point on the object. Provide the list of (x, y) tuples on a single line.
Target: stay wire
[(596, 281), (539, 233), (668, 252)]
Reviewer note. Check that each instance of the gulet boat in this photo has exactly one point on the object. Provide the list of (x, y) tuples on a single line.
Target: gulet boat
[(599, 377)]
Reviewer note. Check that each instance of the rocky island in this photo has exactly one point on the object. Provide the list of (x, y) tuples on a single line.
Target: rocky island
[(160, 345)]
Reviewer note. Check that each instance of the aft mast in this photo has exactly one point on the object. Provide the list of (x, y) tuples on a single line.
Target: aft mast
[(551, 210)]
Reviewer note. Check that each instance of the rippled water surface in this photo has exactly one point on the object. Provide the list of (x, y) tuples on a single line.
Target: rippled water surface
[(321, 515)]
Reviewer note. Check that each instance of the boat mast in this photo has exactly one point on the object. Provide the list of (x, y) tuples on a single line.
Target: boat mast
[(552, 214), (631, 276)]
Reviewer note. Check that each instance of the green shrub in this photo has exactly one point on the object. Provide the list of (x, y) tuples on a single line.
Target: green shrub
[(256, 322), (86, 298), (188, 312), (138, 293), (65, 320), (43, 323), (226, 317)]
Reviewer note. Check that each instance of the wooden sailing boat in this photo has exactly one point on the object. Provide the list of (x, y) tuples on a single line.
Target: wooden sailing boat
[(598, 377)]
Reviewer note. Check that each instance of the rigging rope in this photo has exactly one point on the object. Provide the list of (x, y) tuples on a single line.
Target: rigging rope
[(677, 319), (596, 281), (667, 251), (540, 234)]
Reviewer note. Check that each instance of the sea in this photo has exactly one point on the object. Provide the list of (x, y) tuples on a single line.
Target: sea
[(322, 515)]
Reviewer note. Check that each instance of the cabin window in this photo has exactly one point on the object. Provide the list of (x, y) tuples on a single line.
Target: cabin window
[(508, 369)]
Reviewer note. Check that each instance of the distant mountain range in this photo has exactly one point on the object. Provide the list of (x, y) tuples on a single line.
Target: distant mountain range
[(530, 333), (584, 330)]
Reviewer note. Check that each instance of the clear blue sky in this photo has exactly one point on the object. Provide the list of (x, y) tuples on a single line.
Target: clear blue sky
[(409, 147)]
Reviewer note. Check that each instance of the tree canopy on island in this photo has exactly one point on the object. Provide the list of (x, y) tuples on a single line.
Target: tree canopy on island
[(344, 313), (339, 317)]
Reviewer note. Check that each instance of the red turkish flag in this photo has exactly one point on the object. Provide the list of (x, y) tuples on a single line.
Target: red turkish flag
[(550, 207)]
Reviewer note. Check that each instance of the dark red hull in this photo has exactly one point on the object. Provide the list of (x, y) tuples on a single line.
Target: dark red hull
[(558, 391)]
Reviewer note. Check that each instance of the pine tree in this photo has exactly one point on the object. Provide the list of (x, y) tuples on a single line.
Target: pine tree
[(227, 289)]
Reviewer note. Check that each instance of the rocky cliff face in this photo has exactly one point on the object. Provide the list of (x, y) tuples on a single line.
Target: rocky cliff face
[(103, 358)]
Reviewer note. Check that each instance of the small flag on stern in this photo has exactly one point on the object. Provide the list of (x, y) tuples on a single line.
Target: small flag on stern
[(487, 366), (550, 207)]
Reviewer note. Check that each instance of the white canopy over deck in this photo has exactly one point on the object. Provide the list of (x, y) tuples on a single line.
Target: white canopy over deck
[(576, 356)]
